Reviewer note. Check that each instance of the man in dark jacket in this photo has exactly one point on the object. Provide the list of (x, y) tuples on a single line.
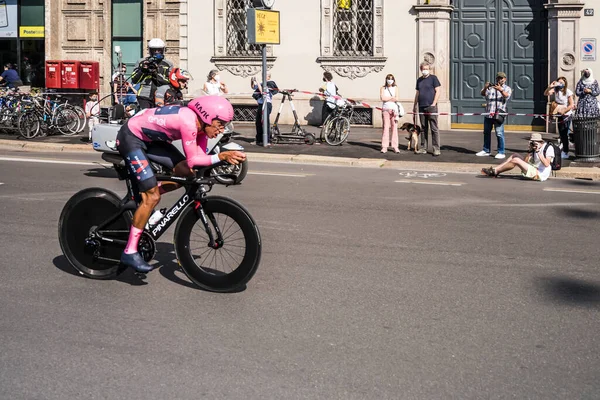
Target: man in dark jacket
[(151, 72)]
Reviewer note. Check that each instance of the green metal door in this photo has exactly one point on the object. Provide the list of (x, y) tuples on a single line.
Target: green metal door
[(488, 36)]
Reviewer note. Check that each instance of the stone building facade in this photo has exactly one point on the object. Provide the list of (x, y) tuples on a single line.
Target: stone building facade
[(360, 41), (87, 30)]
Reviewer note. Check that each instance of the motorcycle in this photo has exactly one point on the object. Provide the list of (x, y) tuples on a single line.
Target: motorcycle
[(104, 140)]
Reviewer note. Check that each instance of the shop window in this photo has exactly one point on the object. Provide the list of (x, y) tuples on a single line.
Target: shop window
[(127, 31), (32, 13)]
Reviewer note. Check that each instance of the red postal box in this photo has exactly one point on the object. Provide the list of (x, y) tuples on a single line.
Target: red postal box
[(53, 76), (70, 74), (89, 75)]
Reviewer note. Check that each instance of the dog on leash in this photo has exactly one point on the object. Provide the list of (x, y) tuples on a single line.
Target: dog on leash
[(413, 131)]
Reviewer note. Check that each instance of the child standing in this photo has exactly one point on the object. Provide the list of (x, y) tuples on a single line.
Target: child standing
[(92, 111)]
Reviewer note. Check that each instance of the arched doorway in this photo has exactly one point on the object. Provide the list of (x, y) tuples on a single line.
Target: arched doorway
[(488, 36)]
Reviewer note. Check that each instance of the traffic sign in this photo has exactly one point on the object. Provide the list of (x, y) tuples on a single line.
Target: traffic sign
[(588, 49)]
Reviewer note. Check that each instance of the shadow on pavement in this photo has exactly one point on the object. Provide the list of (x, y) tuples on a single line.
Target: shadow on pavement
[(101, 172), (578, 213), (169, 267), (569, 291), (127, 276)]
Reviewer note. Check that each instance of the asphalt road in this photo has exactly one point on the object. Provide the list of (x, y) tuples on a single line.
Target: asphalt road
[(374, 284)]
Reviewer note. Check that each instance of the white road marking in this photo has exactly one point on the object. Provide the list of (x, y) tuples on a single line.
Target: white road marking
[(541, 205), (279, 174), (432, 183), (85, 163), (51, 161), (418, 174), (580, 191)]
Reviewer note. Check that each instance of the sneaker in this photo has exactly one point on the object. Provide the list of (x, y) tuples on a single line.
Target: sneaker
[(421, 151), (488, 171), (564, 156), (500, 156), (437, 153), (256, 143), (483, 153), (136, 261)]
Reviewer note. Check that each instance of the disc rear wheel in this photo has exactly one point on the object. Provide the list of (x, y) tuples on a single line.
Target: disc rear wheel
[(79, 220)]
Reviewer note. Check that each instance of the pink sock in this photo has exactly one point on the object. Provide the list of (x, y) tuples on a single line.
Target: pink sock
[(134, 238)]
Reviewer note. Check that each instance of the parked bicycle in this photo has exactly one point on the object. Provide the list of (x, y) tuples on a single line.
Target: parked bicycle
[(46, 116), (337, 125), (217, 243)]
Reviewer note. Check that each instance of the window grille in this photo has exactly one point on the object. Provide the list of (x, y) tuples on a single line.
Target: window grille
[(362, 116), (237, 36), (244, 113), (353, 28)]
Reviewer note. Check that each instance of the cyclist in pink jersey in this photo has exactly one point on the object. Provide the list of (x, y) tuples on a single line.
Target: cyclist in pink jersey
[(149, 135)]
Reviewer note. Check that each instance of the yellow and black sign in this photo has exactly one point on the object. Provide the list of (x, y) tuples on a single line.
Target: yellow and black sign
[(31, 31), (263, 26)]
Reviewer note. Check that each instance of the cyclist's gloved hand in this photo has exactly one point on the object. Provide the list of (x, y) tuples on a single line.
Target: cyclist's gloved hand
[(232, 157)]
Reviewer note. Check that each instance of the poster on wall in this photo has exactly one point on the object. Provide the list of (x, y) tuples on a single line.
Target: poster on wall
[(8, 18)]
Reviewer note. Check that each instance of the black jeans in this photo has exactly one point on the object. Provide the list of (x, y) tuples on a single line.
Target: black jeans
[(429, 121), (259, 123), (325, 112), (145, 103), (564, 124)]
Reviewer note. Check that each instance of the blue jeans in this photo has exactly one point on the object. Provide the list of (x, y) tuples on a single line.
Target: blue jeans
[(488, 124)]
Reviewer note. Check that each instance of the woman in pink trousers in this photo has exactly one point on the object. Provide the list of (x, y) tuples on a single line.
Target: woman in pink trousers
[(389, 96)]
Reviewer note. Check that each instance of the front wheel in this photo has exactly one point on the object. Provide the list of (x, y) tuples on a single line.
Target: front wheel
[(239, 171), (233, 259), (83, 213)]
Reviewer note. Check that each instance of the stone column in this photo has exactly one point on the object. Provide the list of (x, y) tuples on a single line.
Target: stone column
[(433, 44), (563, 39)]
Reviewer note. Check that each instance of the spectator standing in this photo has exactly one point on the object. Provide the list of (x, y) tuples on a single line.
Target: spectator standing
[(213, 85), (92, 111), (271, 88), (497, 96), (121, 85), (587, 90), (330, 90), (563, 98), (389, 96), (426, 104)]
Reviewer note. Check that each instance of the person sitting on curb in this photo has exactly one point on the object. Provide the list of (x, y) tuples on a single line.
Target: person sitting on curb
[(536, 165)]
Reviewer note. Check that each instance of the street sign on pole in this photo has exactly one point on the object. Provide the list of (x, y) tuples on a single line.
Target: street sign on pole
[(588, 49), (263, 29)]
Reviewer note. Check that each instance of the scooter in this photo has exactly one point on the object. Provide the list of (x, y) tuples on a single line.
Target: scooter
[(298, 134), (104, 139)]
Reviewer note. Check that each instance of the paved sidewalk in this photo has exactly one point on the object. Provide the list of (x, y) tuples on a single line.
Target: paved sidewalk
[(361, 149)]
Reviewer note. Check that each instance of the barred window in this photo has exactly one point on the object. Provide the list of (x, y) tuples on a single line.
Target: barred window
[(237, 36), (353, 26)]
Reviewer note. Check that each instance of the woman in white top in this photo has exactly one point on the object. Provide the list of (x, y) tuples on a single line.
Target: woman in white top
[(389, 96), (563, 97), (213, 85)]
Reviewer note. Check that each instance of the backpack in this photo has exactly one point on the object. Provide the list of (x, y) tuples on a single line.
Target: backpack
[(556, 163)]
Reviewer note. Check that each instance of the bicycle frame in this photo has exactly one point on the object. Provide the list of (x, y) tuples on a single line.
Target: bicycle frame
[(195, 192)]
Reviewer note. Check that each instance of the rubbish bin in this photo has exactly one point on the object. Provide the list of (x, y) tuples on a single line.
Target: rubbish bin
[(585, 134)]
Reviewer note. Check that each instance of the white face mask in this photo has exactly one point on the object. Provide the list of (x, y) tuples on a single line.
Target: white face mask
[(218, 78), (390, 82), (425, 72)]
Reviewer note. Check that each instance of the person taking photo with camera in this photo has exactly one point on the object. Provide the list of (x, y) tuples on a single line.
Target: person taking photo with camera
[(497, 96), (536, 165), (151, 72)]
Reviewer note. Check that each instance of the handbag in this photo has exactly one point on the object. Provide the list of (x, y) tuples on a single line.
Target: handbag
[(400, 110)]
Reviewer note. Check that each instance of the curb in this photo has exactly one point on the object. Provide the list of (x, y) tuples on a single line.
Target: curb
[(592, 173)]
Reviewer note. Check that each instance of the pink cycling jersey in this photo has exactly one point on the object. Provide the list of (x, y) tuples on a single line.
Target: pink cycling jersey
[(170, 123)]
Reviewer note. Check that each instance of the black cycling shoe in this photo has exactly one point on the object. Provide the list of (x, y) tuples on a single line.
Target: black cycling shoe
[(136, 261)]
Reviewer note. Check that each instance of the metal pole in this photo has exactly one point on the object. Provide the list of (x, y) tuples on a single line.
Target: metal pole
[(265, 116)]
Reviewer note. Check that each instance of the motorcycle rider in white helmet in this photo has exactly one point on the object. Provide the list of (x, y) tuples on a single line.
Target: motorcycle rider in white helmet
[(151, 72)]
